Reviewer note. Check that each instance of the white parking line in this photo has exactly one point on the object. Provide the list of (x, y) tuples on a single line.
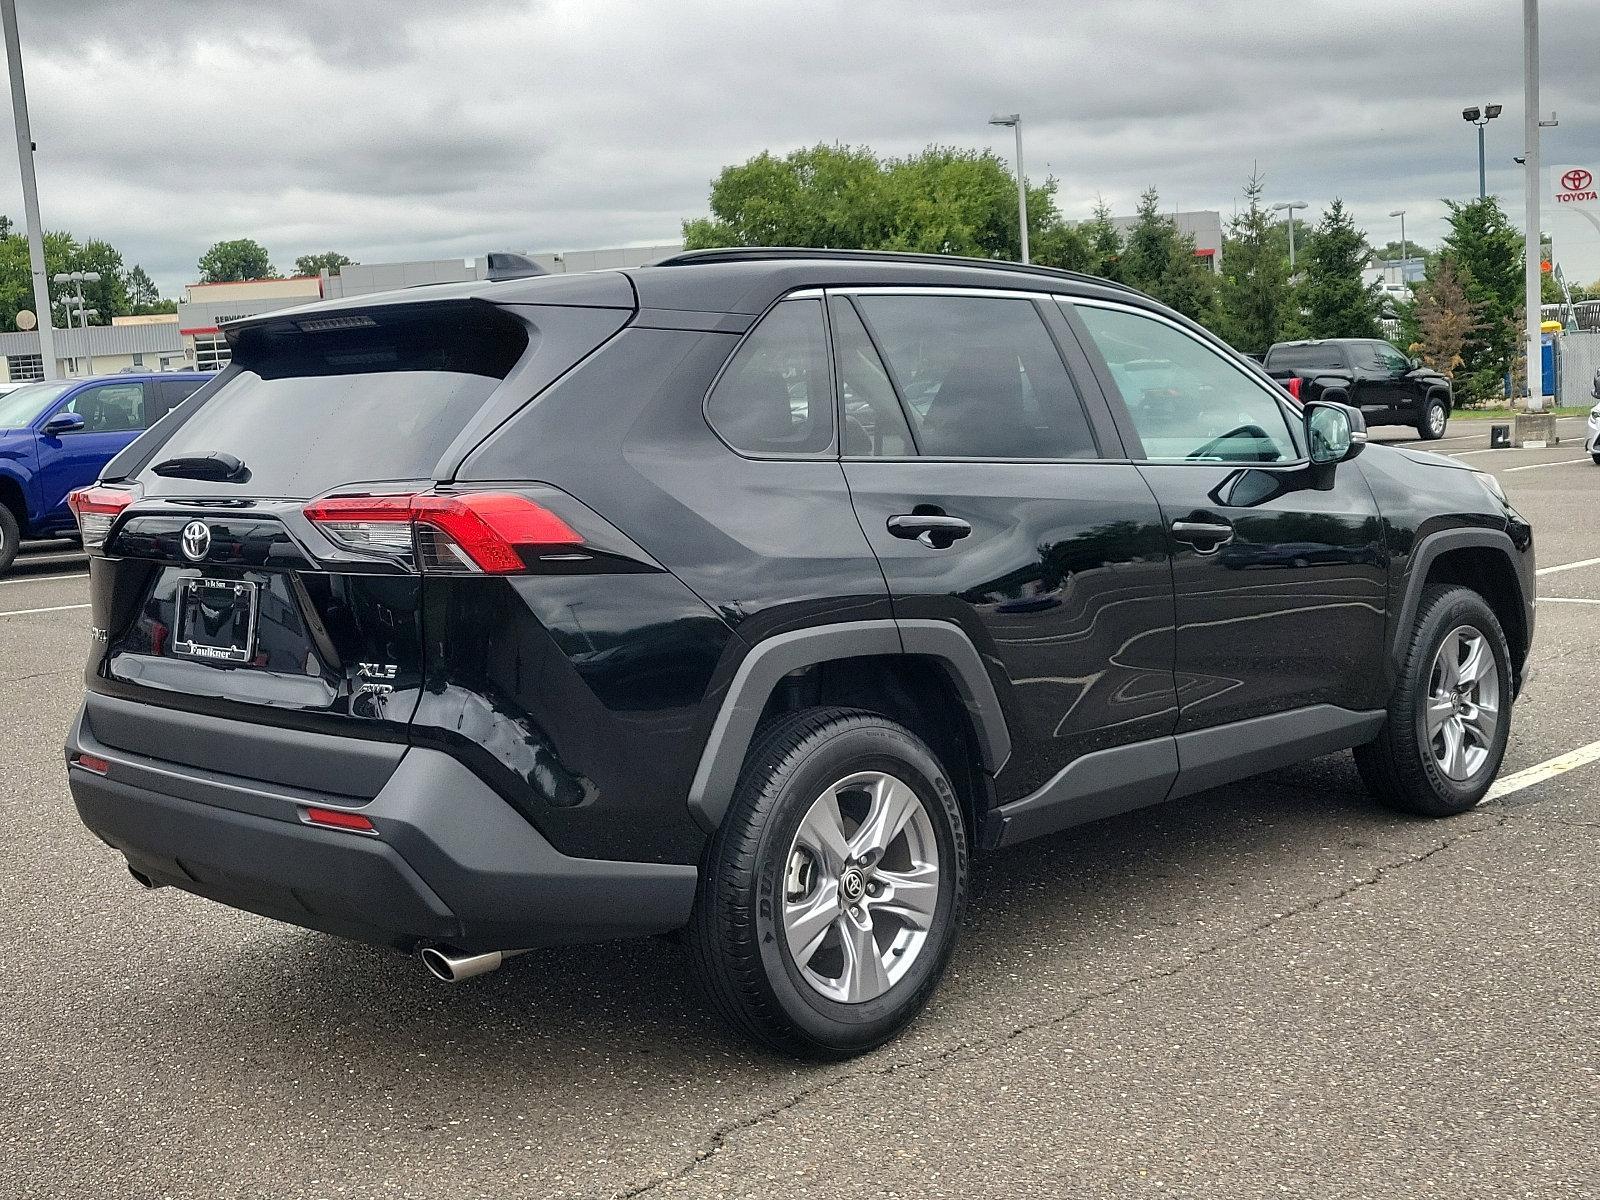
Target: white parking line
[(1560, 462), (1464, 453), (1566, 600), (1571, 566), (41, 578), (1548, 769), (28, 612)]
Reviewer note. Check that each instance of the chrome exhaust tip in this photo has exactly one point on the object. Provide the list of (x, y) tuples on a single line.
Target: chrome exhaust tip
[(448, 966)]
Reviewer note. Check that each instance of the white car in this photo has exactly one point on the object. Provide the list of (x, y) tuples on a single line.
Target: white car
[(1591, 440)]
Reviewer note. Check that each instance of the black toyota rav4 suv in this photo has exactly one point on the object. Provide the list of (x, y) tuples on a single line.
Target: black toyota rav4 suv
[(750, 594)]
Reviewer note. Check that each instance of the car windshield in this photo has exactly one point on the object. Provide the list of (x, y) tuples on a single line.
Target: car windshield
[(20, 407)]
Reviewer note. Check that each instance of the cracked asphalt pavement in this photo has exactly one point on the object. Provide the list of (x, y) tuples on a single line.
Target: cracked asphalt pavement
[(1271, 989)]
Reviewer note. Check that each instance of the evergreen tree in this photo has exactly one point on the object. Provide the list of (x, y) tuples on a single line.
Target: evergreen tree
[(1257, 307), (1486, 252), (1104, 243), (1336, 303), (1161, 261), (1442, 320)]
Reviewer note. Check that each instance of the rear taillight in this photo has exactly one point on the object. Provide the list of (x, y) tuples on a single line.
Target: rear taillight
[(1292, 386), (97, 509), (449, 534)]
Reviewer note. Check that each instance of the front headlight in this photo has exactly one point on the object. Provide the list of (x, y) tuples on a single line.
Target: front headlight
[(1492, 486)]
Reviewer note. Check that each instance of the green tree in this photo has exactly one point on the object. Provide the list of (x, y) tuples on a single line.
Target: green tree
[(329, 261), (1486, 253), (944, 200), (1161, 261), (1104, 243), (1257, 306), (1337, 304), (110, 295), (141, 288), (242, 258)]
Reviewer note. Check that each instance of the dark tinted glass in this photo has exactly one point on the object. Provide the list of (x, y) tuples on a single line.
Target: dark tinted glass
[(981, 376), (310, 411), (1306, 358), (873, 421), (110, 407), (775, 396), (1187, 401)]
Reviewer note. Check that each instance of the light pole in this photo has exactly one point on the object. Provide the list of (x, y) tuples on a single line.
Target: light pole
[(1480, 118), (1531, 280), (1405, 246), (1289, 206), (1015, 121), (78, 279), (30, 189)]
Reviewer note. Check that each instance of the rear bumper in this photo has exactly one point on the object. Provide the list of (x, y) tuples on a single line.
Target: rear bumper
[(451, 862)]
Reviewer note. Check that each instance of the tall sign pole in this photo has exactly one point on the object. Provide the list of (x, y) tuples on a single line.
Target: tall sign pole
[(30, 190), (1534, 186)]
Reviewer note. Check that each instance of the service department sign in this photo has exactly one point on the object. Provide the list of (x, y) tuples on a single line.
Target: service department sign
[(1574, 186)]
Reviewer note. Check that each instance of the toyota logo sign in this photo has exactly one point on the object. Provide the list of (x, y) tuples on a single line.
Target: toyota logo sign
[(1574, 186), (1577, 180)]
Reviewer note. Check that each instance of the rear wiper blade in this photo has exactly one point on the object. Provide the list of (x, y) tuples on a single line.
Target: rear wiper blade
[(213, 465)]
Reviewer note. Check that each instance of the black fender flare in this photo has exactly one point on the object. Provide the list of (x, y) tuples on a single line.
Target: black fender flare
[(768, 661), (1422, 555)]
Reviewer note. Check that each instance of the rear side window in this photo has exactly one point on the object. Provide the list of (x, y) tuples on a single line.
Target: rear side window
[(873, 421), (981, 377), (1306, 358), (377, 397), (775, 397)]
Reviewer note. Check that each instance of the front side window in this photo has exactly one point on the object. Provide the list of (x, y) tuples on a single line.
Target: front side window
[(1391, 359), (981, 377), (1188, 402), (776, 397), (110, 408)]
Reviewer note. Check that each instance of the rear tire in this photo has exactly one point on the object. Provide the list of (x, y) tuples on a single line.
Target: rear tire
[(1596, 458), (1450, 715), (1435, 419), (10, 538), (773, 939)]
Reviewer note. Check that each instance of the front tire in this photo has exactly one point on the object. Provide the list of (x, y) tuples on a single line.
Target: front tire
[(1450, 715), (1435, 418), (832, 891), (10, 538)]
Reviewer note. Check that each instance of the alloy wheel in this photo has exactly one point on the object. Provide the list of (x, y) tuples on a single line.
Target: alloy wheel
[(1436, 419), (1463, 712), (861, 886)]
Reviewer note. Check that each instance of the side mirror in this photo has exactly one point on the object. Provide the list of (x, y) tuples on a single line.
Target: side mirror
[(1414, 362), (63, 422), (1335, 432)]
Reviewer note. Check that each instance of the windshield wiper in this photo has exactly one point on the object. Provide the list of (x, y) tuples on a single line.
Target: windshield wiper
[(213, 465)]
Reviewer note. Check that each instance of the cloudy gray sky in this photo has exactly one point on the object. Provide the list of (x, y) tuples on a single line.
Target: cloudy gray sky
[(399, 129)]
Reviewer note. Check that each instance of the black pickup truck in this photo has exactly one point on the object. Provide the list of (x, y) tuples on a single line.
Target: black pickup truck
[(1388, 387)]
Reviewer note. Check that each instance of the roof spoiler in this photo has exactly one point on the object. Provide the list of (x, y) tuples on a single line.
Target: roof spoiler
[(505, 265)]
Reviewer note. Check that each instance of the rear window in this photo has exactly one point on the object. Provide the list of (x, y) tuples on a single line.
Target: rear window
[(312, 406), (1305, 358)]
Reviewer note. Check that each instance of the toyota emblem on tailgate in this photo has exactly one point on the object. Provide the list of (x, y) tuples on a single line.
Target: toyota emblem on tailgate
[(196, 540)]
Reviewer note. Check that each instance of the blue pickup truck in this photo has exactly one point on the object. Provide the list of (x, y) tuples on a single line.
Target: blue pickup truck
[(56, 436)]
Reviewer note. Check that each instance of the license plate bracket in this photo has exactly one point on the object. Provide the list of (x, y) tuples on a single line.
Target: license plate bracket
[(217, 620)]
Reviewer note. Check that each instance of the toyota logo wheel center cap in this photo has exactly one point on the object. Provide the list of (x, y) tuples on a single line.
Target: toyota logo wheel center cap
[(196, 540), (852, 884)]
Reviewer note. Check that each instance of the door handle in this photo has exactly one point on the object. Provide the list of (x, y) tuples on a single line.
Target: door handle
[(1207, 537), (934, 530)]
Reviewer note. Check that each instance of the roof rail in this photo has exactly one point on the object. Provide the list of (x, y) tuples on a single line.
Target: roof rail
[(779, 253)]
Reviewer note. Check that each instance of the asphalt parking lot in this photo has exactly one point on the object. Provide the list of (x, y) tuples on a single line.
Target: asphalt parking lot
[(1273, 989)]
